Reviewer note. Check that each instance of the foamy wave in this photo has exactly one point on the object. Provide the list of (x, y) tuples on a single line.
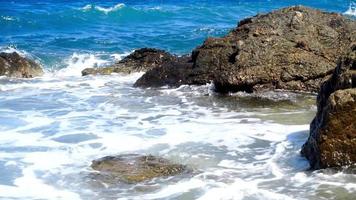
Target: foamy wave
[(352, 9), (77, 62), (105, 10)]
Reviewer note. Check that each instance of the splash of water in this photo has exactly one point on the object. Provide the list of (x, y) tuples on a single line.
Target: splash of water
[(351, 10)]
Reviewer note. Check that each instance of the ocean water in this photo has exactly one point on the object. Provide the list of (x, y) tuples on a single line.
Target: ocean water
[(239, 146)]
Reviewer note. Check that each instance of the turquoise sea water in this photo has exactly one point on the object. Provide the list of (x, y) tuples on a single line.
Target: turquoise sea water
[(239, 146)]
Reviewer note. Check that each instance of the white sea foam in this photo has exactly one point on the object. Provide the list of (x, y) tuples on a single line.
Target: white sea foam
[(8, 18), (105, 10), (59, 123), (87, 7), (77, 62), (110, 9), (11, 49), (351, 10), (119, 57)]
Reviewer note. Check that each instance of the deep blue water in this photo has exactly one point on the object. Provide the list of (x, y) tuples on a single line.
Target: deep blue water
[(52, 30)]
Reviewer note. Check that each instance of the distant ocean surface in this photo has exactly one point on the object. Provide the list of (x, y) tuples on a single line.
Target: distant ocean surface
[(51, 128)]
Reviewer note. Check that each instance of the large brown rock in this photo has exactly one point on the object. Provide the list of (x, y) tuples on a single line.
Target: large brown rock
[(293, 48), (133, 168), (14, 65), (332, 140), (140, 60)]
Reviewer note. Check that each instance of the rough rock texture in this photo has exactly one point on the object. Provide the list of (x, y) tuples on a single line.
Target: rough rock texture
[(174, 73), (140, 60), (133, 168), (13, 65), (294, 48), (332, 140)]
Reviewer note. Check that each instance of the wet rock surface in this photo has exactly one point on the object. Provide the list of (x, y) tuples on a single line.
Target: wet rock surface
[(294, 48), (16, 66), (332, 140), (134, 168), (174, 74), (140, 60)]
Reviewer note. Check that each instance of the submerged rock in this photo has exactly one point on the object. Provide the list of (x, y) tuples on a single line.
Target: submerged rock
[(140, 60), (293, 48), (133, 168), (14, 65), (332, 140)]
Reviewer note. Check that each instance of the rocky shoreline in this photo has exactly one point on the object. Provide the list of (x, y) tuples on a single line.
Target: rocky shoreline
[(294, 49)]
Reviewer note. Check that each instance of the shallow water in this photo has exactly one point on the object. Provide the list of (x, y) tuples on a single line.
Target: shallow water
[(239, 146)]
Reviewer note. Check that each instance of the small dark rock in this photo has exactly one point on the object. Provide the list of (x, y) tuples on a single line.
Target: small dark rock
[(14, 65)]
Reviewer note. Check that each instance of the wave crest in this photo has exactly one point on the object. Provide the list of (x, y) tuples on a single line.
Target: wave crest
[(105, 10)]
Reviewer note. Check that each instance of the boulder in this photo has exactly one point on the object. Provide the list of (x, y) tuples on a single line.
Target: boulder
[(332, 139), (294, 48), (140, 60), (134, 168), (174, 74), (14, 65)]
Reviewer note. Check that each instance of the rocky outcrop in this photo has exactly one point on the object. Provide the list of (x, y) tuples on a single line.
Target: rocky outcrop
[(140, 60), (133, 168), (332, 140), (174, 74), (294, 48), (14, 65)]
